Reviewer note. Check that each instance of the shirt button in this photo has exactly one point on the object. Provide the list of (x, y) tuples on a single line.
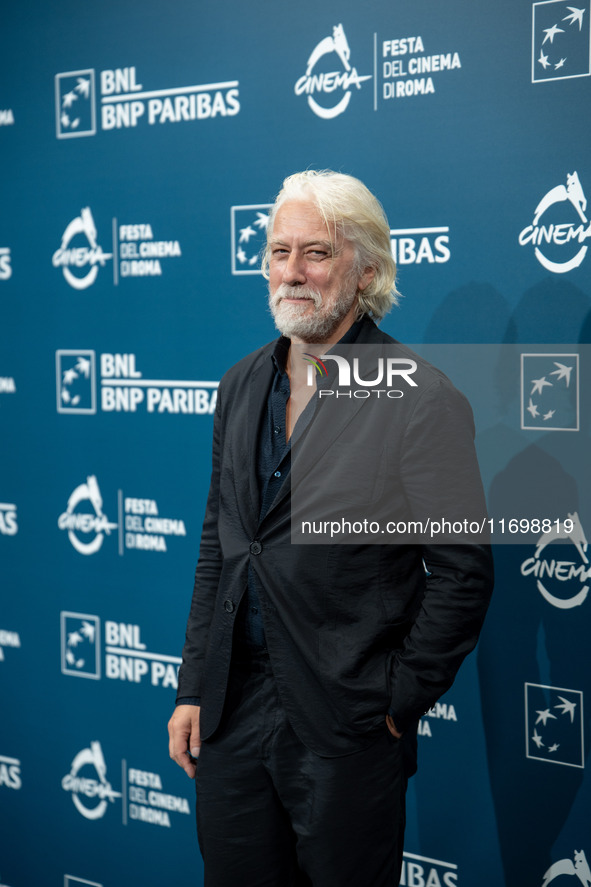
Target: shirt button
[(229, 606), (254, 610), (255, 547), (277, 429), (277, 474)]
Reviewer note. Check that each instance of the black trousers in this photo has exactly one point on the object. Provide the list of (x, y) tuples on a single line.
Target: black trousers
[(271, 813)]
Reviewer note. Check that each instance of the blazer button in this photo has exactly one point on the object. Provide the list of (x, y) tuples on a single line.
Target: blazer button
[(255, 547), (229, 606)]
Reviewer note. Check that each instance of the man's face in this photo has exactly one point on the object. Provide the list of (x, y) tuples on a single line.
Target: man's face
[(312, 282)]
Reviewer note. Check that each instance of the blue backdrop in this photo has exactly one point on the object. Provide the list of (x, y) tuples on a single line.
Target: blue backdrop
[(142, 144)]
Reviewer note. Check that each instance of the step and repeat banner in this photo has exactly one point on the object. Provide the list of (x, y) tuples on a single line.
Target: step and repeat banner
[(142, 144)]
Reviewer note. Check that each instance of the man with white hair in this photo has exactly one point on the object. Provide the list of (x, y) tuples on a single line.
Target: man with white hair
[(306, 666)]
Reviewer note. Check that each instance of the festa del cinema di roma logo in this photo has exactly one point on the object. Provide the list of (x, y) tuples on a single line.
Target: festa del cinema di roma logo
[(580, 868), (334, 86), (136, 253), (561, 573), (73, 253), (555, 240), (79, 522), (87, 790)]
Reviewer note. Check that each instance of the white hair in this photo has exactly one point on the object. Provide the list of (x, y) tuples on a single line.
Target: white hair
[(345, 203)]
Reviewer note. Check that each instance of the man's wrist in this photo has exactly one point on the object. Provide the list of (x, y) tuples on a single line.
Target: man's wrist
[(189, 700)]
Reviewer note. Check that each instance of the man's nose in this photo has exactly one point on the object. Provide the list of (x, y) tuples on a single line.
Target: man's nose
[(294, 271)]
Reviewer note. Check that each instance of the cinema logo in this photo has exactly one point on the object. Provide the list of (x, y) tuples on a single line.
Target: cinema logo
[(124, 102), (577, 866), (80, 255), (561, 580), (123, 388), (558, 237), (86, 527), (87, 782), (140, 524), (333, 87)]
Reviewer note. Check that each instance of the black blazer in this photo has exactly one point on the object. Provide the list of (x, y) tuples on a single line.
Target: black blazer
[(352, 629)]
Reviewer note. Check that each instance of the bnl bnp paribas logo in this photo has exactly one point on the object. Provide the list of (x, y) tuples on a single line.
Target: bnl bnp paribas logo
[(554, 725), (550, 397), (125, 103), (123, 388), (126, 656), (561, 40)]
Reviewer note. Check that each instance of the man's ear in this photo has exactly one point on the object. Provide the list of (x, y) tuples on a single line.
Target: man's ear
[(366, 278)]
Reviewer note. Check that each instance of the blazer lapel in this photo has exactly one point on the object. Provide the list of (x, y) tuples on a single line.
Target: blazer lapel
[(259, 384)]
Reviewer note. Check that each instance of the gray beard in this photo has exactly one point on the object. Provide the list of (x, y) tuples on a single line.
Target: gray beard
[(313, 329)]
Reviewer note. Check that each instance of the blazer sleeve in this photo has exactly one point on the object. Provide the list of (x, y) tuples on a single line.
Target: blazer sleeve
[(441, 479), (207, 577)]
